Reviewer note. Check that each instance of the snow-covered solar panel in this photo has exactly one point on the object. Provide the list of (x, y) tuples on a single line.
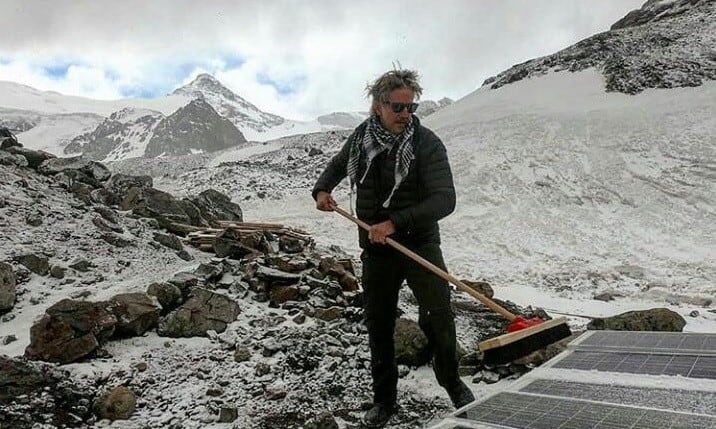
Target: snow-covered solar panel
[(693, 401), (642, 363), (525, 411), (652, 342), (605, 380)]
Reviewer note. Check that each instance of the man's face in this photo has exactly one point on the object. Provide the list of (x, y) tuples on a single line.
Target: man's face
[(392, 121)]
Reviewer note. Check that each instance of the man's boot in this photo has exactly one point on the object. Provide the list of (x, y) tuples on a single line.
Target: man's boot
[(460, 394), (379, 415)]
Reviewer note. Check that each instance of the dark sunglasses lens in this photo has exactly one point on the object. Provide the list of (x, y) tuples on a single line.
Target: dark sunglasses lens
[(398, 107)]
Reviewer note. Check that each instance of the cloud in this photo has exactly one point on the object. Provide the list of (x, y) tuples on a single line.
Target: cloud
[(297, 59)]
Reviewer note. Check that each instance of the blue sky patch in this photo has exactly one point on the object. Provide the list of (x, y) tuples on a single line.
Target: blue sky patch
[(283, 87), (57, 70)]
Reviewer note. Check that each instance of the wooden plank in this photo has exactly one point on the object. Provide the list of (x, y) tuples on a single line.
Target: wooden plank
[(511, 337)]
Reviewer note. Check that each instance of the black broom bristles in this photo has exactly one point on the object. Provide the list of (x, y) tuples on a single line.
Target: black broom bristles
[(514, 350)]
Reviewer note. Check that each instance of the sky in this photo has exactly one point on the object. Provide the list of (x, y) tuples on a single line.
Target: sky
[(298, 59)]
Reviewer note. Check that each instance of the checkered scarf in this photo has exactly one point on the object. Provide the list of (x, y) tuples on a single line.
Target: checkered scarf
[(377, 139)]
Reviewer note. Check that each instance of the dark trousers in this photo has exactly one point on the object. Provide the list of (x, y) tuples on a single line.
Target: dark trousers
[(384, 270)]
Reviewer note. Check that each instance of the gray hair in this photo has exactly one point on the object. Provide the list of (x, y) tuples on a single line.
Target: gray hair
[(390, 81)]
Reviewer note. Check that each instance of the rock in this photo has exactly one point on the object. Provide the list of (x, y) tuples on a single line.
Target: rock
[(7, 158), (605, 296), (694, 313), (57, 271), (411, 344), (38, 264), (82, 265), (488, 377), (115, 240), (159, 205), (209, 272), (184, 255), (349, 282), (281, 294), (107, 226), (96, 170), (168, 240), (34, 157), (213, 206), (655, 319), (324, 420), (186, 282), (203, 312), (242, 354), (121, 183), (262, 368), (481, 287), (228, 414), (7, 287), (8, 339), (7, 139), (168, 295), (328, 314), (70, 330), (116, 404), (290, 244), (136, 313), (108, 214), (34, 219), (275, 391), (42, 393)]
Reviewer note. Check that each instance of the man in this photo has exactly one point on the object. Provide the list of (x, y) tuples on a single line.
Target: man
[(404, 185)]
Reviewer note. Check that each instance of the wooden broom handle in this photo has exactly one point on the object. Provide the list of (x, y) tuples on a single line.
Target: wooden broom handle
[(492, 305)]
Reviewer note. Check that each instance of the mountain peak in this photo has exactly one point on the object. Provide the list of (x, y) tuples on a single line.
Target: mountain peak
[(203, 84)]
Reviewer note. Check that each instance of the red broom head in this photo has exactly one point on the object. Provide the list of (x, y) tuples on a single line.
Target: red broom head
[(520, 323)]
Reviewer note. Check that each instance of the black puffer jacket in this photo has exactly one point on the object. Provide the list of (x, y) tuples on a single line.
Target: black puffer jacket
[(425, 196)]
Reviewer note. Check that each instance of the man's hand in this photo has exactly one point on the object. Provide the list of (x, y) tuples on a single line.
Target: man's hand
[(325, 202), (380, 231)]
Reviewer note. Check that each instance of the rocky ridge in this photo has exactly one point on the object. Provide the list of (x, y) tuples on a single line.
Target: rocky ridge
[(665, 44)]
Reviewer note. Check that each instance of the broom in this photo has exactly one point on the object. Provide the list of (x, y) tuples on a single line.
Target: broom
[(524, 335)]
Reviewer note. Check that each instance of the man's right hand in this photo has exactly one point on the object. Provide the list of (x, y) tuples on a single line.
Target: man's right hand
[(325, 202)]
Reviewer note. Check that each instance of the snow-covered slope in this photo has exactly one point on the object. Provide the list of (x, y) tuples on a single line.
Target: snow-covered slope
[(566, 187)]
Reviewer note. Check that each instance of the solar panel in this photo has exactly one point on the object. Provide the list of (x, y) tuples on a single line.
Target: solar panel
[(525, 411), (699, 402), (652, 342), (642, 363)]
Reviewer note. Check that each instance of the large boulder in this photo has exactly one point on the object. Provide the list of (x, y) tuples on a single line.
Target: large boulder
[(7, 287), (214, 206), (7, 139), (7, 158), (34, 157), (136, 313), (87, 167), (162, 206), (38, 264), (203, 312), (120, 183), (655, 319), (70, 330)]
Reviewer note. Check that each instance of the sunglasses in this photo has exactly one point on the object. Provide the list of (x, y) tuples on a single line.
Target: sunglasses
[(398, 107)]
